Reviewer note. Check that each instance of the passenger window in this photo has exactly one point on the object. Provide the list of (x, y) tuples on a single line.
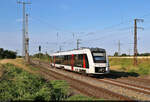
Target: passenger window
[(79, 60)]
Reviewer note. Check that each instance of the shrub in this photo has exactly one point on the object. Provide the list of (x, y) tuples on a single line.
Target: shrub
[(17, 84), (7, 54)]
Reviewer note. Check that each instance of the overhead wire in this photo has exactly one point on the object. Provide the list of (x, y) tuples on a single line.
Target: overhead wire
[(105, 29)]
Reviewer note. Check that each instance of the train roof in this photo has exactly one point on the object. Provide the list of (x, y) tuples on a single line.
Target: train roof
[(97, 49), (81, 50)]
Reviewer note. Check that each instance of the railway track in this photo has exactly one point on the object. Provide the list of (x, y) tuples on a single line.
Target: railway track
[(136, 88), (143, 80), (124, 85), (140, 79), (83, 87)]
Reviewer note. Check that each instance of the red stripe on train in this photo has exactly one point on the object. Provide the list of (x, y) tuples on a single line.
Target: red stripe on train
[(72, 62), (84, 64), (54, 61)]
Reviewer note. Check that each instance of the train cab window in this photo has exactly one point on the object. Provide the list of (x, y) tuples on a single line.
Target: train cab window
[(99, 57)]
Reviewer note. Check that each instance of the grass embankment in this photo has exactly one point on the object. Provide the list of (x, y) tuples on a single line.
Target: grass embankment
[(126, 64), (17, 84), (20, 81)]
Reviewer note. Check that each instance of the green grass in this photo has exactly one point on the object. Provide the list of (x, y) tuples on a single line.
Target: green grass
[(83, 98), (17, 84), (31, 67), (79, 97), (126, 64)]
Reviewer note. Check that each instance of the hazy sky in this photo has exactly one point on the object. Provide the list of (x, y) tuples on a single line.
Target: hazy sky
[(98, 23)]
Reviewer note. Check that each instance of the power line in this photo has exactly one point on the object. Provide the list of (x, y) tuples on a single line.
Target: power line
[(49, 25), (115, 25), (103, 37), (110, 27)]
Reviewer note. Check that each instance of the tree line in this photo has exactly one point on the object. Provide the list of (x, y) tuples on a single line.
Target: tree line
[(124, 54), (7, 54)]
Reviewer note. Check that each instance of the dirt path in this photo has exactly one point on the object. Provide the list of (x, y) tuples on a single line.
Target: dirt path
[(1, 71), (19, 63)]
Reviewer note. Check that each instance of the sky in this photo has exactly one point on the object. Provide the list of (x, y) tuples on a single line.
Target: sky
[(56, 24)]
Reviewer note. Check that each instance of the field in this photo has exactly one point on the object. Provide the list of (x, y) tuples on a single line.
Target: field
[(126, 65)]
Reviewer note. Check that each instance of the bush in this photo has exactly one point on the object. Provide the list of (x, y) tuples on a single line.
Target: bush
[(17, 84), (7, 54), (60, 90), (116, 54)]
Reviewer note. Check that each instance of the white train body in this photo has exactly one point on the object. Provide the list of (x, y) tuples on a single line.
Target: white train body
[(90, 61)]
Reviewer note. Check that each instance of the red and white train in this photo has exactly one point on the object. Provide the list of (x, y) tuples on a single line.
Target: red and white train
[(86, 60)]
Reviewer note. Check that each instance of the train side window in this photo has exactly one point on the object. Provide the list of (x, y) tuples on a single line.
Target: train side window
[(65, 60), (56, 59), (69, 60), (62, 59), (79, 60), (52, 59)]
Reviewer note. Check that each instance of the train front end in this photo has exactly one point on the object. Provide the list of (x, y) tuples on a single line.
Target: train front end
[(100, 61)]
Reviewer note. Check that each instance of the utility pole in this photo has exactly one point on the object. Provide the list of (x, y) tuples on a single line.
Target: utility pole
[(23, 26), (60, 47), (119, 48), (57, 35), (26, 41), (78, 42), (129, 51), (57, 41), (135, 40), (39, 53), (73, 35)]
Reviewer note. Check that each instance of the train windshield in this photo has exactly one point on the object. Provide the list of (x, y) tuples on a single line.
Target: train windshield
[(99, 57)]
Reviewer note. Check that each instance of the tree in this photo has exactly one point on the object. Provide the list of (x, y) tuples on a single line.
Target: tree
[(1, 53), (124, 54), (116, 54), (7, 54)]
